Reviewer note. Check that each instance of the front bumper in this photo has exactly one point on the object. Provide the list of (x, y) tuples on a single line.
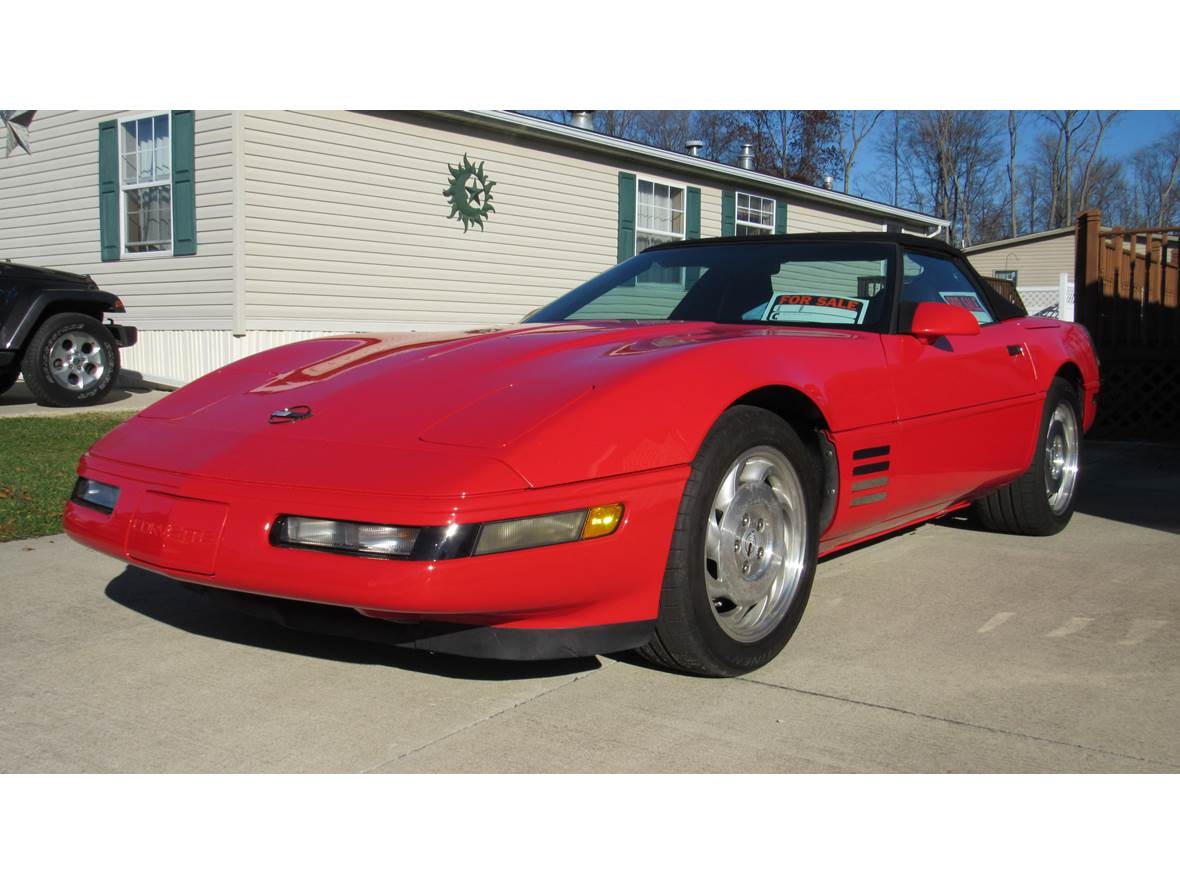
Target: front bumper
[(125, 336), (224, 542), (469, 640)]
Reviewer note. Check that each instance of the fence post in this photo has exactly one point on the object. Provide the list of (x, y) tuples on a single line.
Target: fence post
[(1087, 283), (1065, 309)]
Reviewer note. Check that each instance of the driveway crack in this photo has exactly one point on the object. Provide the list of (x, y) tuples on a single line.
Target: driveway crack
[(959, 722), (487, 718)]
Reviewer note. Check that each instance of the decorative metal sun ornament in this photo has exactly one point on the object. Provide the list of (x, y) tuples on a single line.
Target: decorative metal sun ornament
[(470, 193), (16, 130)]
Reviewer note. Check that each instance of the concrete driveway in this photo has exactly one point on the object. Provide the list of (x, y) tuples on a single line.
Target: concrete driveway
[(941, 649), (17, 402)]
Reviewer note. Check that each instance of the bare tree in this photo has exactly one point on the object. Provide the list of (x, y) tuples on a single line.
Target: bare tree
[(1015, 118), (1066, 125), (896, 155), (946, 163), (1095, 146), (852, 136), (1154, 192), (799, 145), (620, 124), (953, 155), (719, 130), (1031, 182), (664, 129), (1108, 188)]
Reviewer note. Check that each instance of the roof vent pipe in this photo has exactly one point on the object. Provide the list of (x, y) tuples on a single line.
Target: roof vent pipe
[(746, 158), (828, 182), (582, 119), (694, 147)]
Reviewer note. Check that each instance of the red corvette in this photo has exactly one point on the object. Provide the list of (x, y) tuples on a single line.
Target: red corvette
[(653, 461)]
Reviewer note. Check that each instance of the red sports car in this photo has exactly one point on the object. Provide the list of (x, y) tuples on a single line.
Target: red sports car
[(653, 461)]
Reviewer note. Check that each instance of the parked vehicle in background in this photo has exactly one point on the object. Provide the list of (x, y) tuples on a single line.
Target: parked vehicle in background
[(52, 332), (655, 460)]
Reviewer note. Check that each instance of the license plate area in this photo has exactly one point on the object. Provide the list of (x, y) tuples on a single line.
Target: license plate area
[(177, 533)]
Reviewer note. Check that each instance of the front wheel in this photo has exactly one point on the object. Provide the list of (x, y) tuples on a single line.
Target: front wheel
[(71, 360), (1041, 501), (744, 549)]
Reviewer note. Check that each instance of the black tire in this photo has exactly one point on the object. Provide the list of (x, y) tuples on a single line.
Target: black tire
[(688, 635), (8, 376), (1023, 507), (45, 348)]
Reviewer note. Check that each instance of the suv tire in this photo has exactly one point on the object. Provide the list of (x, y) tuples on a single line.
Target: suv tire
[(71, 360)]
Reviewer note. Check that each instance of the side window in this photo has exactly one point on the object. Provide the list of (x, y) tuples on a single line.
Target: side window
[(755, 216), (145, 183), (937, 279)]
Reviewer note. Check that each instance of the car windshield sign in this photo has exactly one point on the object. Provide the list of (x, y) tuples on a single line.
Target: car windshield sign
[(797, 283)]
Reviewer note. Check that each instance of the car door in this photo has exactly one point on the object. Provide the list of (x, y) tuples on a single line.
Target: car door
[(967, 405)]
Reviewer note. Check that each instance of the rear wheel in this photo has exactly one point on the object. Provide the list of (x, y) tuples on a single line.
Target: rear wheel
[(1041, 502), (743, 552), (71, 360)]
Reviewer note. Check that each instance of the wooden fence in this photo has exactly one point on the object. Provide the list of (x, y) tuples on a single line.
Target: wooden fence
[(1128, 281)]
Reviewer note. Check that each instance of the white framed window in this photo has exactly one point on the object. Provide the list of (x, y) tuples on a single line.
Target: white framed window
[(659, 218), (659, 213), (145, 185), (755, 216)]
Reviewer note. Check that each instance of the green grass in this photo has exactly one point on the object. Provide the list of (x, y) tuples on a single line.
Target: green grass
[(38, 457)]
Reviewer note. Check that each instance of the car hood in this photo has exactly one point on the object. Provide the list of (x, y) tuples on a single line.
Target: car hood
[(463, 398), (45, 275), (401, 389)]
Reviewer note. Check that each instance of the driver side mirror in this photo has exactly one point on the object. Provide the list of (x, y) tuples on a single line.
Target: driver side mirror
[(933, 320)]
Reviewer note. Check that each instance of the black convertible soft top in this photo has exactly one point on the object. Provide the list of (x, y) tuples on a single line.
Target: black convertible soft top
[(900, 239), (1001, 307)]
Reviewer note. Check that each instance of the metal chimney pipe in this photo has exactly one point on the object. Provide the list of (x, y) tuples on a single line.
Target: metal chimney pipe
[(582, 119), (746, 158), (694, 147), (828, 182)]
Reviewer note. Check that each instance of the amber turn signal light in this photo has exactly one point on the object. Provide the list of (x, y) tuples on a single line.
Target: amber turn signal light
[(601, 521)]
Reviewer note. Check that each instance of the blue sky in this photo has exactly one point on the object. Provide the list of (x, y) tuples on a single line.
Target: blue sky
[(1127, 134), (1138, 128)]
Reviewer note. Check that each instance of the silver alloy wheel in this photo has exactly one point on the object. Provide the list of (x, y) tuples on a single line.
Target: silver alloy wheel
[(77, 361), (755, 544), (1061, 458)]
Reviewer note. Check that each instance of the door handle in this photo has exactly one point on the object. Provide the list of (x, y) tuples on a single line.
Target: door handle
[(1015, 350)]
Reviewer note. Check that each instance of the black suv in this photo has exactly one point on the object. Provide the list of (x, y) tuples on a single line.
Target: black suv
[(51, 330)]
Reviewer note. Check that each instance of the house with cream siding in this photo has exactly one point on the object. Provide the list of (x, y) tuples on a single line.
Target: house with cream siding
[(1030, 261), (228, 232)]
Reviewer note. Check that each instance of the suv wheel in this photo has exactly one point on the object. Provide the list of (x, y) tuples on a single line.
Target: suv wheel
[(70, 361)]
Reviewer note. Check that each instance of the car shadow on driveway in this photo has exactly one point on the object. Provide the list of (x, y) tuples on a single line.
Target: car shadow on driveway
[(163, 600), (1132, 482), (1137, 483)]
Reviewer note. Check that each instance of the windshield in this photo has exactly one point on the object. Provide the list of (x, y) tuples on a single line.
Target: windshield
[(800, 283)]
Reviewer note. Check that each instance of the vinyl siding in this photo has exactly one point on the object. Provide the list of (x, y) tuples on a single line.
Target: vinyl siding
[(49, 217), (1038, 263), (346, 224), (809, 218), (318, 222)]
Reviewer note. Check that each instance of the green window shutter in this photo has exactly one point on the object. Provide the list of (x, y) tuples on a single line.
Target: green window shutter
[(780, 216), (626, 215), (184, 185), (728, 214), (692, 214), (108, 189)]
